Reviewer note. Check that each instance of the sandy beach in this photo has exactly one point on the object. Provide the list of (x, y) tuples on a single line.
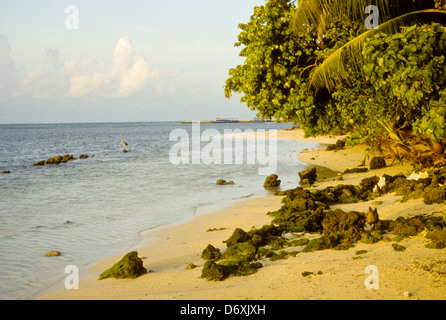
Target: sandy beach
[(418, 273)]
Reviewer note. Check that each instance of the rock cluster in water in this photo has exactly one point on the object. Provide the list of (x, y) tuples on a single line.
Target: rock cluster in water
[(223, 182), (59, 159), (308, 211)]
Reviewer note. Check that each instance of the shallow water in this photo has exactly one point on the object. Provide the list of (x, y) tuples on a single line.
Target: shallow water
[(92, 208)]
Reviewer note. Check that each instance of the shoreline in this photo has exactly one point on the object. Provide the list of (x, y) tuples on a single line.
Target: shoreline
[(342, 278)]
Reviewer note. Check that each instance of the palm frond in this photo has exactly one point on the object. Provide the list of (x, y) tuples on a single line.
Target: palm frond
[(320, 11), (332, 70)]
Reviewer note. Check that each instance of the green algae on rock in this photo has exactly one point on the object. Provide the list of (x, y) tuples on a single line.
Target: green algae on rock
[(52, 253), (272, 181), (130, 266), (211, 253)]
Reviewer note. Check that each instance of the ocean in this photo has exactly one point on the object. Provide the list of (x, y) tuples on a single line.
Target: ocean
[(89, 209)]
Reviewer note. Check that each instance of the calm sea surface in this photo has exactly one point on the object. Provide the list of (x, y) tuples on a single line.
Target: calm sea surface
[(92, 208)]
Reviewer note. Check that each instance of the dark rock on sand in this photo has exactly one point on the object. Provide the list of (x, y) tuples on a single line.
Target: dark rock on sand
[(434, 195), (239, 235), (398, 247), (347, 225), (377, 163), (215, 272), (340, 144), (438, 238), (211, 253), (307, 177), (130, 266)]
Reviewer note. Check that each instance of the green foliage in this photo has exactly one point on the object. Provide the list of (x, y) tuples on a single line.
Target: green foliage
[(272, 77)]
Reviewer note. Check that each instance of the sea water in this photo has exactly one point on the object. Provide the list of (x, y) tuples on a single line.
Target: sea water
[(92, 208)]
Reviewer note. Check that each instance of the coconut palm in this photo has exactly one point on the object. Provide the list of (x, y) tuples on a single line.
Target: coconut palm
[(393, 14)]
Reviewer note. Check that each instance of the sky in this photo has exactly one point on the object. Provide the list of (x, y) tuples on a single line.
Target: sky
[(119, 60)]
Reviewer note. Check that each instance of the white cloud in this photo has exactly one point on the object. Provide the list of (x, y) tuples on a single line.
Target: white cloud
[(128, 73)]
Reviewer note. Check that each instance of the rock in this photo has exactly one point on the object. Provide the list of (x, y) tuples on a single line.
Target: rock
[(130, 266), (191, 266), (407, 227), (355, 170), (377, 163), (52, 254), (340, 144), (243, 252), (56, 160), (5, 171), (83, 156), (438, 238), (369, 183), (125, 150), (398, 247), (347, 225), (211, 253), (239, 235), (223, 182), (321, 243), (434, 195), (308, 177), (271, 181), (215, 272)]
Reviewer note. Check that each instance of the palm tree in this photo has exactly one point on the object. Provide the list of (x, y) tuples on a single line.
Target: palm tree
[(394, 15)]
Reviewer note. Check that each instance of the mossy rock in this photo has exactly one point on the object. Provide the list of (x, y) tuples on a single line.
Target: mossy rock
[(52, 253), (224, 182), (239, 235), (407, 227), (282, 255), (308, 177), (215, 272), (434, 195), (371, 237), (398, 247), (298, 242), (130, 266), (241, 252), (377, 163), (347, 225), (83, 156), (272, 181), (191, 266), (438, 238), (340, 144), (369, 183), (211, 253), (321, 243)]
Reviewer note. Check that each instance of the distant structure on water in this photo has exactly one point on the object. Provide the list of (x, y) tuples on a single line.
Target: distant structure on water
[(229, 120)]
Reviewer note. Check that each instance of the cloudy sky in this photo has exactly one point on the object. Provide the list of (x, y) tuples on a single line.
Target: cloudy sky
[(119, 60)]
